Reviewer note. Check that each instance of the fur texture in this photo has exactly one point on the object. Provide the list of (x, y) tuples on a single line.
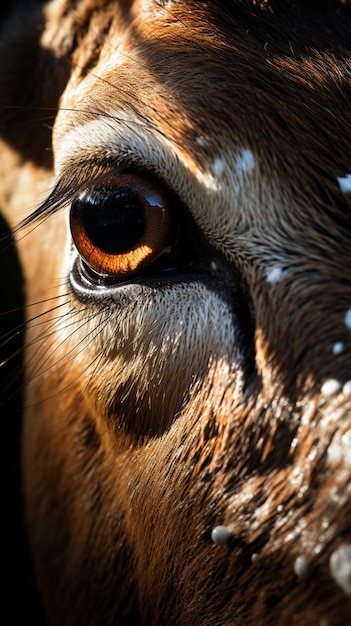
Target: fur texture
[(213, 388)]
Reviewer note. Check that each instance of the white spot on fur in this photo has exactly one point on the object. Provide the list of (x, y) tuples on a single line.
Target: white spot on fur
[(340, 449), (201, 141), (280, 508), (245, 161), (340, 567), (348, 319), (345, 183), (274, 275), (338, 347), (347, 388), (302, 568), (331, 387), (254, 557), (218, 166), (221, 535)]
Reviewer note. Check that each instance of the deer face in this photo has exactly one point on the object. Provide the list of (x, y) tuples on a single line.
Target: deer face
[(187, 434)]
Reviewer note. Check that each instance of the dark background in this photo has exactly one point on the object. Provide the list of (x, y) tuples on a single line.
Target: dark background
[(20, 600)]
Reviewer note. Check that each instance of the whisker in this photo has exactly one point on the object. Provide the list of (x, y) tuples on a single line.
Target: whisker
[(39, 369), (14, 335), (96, 332), (14, 331), (40, 340), (98, 360)]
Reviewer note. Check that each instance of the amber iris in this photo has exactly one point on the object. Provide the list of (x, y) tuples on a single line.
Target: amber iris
[(122, 223)]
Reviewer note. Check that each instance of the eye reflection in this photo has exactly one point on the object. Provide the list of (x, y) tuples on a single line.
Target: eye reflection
[(121, 224)]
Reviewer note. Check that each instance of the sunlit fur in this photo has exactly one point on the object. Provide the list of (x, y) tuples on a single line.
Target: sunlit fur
[(159, 410)]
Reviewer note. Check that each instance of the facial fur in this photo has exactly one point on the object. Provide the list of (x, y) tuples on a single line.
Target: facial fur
[(187, 425)]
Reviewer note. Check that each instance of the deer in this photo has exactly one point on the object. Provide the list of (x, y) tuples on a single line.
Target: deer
[(177, 180)]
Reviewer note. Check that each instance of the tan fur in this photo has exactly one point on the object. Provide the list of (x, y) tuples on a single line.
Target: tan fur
[(158, 412)]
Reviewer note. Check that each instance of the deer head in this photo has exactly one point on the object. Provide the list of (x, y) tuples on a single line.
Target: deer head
[(187, 430)]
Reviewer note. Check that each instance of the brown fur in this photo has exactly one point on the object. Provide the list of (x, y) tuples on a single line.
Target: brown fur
[(158, 411)]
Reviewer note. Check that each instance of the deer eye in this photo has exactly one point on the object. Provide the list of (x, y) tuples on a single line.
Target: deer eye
[(121, 224)]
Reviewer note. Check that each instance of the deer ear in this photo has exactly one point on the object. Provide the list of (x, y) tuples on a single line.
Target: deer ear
[(32, 79)]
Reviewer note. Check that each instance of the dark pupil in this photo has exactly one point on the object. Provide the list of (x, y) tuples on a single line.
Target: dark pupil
[(113, 218)]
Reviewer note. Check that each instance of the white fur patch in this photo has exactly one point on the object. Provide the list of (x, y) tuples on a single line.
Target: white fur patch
[(348, 319), (245, 161), (221, 535), (340, 567), (302, 567), (345, 183), (201, 141), (274, 275), (338, 347), (218, 167), (331, 387), (340, 449)]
